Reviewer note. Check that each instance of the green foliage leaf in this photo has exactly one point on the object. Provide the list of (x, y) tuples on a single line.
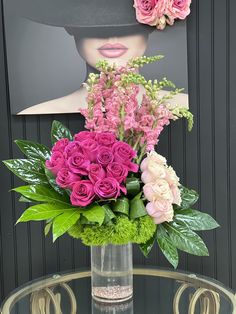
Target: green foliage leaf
[(189, 197), (23, 199), (137, 207), (59, 131), (33, 150), (94, 213), (64, 222), (30, 171), (43, 193), (167, 246), (109, 215), (147, 247), (186, 240), (132, 186), (121, 205), (42, 212), (47, 228), (195, 220)]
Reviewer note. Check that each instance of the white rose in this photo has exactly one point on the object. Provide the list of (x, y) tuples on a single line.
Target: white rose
[(157, 190)]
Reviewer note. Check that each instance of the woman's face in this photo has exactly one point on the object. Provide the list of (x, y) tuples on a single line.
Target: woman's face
[(114, 49)]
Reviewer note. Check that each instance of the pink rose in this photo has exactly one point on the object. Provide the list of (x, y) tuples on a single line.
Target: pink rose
[(178, 9), (107, 188), (96, 172), (79, 164), (106, 139), (149, 11), (82, 193), (60, 145), (159, 189), (124, 153), (71, 149), (66, 179), (84, 135), (117, 171), (104, 156), (90, 149), (56, 162), (160, 211)]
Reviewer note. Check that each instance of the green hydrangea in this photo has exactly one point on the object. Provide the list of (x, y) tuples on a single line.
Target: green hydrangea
[(145, 228), (121, 231)]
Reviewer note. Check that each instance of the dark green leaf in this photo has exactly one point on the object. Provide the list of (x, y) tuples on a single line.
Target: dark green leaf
[(138, 196), (30, 171), (42, 212), (167, 246), (132, 186), (147, 247), (109, 215), (121, 205), (137, 208), (64, 222), (59, 131), (33, 150), (189, 197), (94, 213), (186, 240), (52, 181), (195, 220), (42, 193)]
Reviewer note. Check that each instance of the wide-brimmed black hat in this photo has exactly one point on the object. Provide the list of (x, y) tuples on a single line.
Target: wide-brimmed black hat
[(80, 13)]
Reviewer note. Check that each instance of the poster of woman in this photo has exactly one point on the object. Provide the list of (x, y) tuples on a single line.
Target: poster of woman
[(52, 46)]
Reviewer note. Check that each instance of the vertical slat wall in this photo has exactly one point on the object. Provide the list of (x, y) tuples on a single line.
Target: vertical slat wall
[(204, 159)]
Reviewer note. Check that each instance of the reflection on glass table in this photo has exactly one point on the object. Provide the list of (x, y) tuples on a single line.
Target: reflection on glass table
[(156, 291)]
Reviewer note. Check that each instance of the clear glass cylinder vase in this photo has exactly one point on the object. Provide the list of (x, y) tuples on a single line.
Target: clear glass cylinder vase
[(112, 273)]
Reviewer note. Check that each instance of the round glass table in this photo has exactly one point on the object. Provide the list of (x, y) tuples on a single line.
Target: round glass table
[(156, 291)]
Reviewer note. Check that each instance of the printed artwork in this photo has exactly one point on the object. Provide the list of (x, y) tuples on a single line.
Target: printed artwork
[(52, 46)]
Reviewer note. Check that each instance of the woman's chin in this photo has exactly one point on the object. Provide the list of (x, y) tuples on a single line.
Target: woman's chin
[(117, 61)]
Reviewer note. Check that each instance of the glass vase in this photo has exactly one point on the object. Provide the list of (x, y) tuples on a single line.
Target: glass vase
[(112, 273)]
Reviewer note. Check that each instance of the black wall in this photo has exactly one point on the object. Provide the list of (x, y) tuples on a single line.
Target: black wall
[(204, 159)]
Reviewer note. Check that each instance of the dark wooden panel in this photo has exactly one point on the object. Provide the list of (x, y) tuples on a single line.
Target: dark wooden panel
[(8, 235), (205, 121), (204, 159), (232, 132), (221, 140)]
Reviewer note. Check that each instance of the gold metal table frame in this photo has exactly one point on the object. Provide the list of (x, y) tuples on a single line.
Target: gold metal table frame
[(43, 292)]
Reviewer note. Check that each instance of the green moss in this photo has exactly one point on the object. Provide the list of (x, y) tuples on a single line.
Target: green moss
[(120, 232)]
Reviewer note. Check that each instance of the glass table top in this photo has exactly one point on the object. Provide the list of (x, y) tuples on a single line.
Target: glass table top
[(156, 291)]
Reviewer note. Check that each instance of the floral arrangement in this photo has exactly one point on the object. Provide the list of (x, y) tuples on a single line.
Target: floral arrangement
[(108, 185), (94, 166), (159, 13)]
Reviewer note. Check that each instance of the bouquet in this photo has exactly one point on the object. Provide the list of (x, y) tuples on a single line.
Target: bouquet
[(160, 13), (108, 185)]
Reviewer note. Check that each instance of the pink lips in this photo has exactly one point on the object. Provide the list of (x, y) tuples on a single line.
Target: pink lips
[(112, 50)]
